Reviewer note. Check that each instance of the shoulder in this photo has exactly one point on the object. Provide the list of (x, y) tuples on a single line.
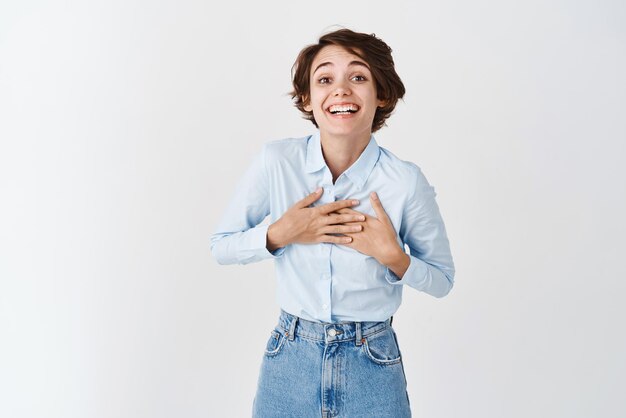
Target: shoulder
[(286, 145), (407, 173), (286, 148), (404, 169)]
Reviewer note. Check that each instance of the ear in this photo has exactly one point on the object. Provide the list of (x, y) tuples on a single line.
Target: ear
[(307, 104), (382, 103)]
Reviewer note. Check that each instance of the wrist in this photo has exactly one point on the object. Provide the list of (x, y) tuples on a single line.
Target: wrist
[(273, 240), (398, 263)]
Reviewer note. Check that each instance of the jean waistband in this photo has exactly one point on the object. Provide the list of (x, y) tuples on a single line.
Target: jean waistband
[(329, 332)]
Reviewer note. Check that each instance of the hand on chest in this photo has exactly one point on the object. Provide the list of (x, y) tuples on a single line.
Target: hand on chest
[(391, 196)]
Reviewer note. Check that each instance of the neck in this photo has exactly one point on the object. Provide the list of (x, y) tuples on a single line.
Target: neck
[(340, 152)]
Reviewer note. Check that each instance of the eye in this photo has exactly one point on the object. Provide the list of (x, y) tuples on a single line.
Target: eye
[(323, 80), (359, 78)]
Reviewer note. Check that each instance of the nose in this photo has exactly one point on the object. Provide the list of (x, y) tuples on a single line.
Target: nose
[(341, 89)]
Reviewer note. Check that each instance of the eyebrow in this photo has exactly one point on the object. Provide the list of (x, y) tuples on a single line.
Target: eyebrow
[(361, 63)]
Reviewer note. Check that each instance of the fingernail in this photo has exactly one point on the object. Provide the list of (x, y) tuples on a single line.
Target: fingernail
[(374, 195), (319, 189), (355, 202), (361, 218)]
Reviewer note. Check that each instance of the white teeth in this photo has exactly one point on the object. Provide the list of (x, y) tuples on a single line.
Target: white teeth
[(343, 108)]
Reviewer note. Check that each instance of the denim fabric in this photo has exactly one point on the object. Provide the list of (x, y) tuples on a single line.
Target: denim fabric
[(345, 369)]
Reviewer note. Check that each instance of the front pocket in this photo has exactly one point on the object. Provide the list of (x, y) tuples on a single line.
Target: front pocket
[(274, 343), (382, 348)]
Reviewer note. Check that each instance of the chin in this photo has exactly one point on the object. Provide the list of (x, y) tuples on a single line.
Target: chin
[(346, 130)]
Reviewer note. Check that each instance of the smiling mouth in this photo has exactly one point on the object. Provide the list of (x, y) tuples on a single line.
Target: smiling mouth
[(344, 109)]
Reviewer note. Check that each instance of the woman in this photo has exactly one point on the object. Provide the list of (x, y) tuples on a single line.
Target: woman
[(342, 209)]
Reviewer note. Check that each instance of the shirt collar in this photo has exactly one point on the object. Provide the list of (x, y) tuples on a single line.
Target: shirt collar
[(358, 172)]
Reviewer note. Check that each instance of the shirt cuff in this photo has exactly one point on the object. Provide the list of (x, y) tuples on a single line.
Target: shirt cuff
[(260, 242), (410, 272)]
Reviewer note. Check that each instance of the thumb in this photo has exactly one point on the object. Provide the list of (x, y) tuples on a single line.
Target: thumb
[(311, 198), (378, 208)]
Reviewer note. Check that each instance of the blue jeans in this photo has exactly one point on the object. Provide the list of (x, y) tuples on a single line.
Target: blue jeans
[(346, 370)]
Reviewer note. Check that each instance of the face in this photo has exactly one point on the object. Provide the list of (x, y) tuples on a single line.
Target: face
[(342, 93)]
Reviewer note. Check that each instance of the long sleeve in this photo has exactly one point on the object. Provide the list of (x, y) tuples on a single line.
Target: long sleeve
[(238, 238), (431, 269)]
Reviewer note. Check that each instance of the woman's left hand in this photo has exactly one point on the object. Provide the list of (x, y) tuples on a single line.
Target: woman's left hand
[(377, 237)]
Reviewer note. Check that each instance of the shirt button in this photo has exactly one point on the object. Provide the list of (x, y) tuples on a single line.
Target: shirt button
[(332, 332)]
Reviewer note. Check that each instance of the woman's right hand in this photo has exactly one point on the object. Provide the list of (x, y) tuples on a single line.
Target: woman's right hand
[(304, 225)]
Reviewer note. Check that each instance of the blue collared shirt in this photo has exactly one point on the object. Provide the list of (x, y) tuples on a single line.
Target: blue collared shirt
[(332, 282)]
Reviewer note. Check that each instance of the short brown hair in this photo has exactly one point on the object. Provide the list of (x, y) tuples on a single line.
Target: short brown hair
[(375, 52)]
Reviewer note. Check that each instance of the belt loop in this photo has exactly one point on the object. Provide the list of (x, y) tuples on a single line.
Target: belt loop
[(359, 337), (292, 328)]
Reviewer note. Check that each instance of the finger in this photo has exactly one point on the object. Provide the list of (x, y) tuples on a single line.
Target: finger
[(349, 211), (336, 240), (308, 200), (378, 208), (336, 218), (333, 206), (342, 229)]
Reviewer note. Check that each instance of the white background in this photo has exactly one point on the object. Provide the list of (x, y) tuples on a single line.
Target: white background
[(125, 125)]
